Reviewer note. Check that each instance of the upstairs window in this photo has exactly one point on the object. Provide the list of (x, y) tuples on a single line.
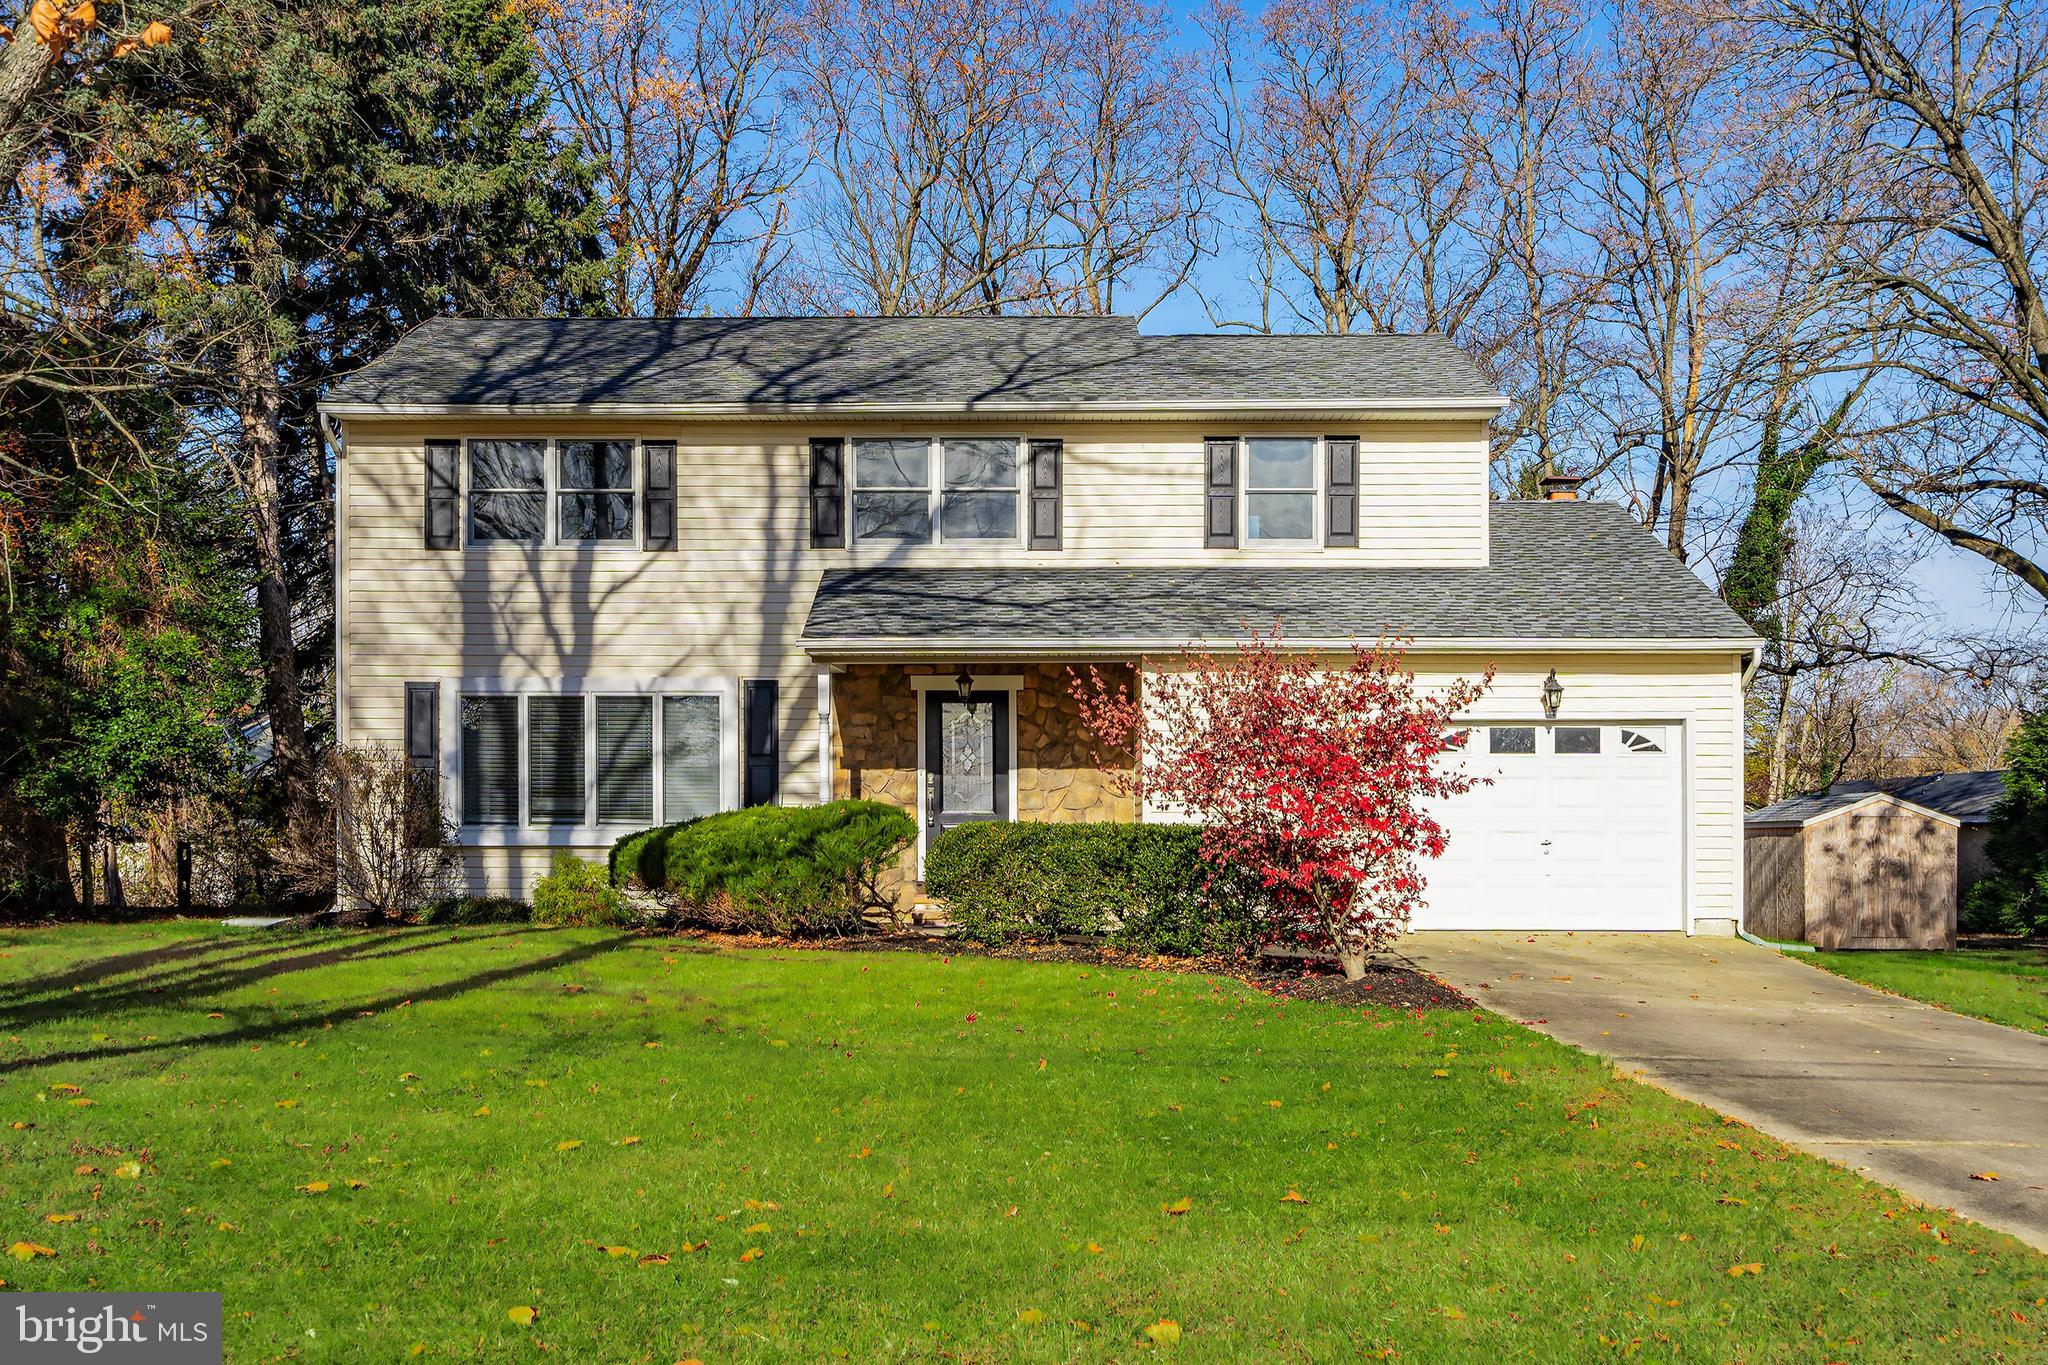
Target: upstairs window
[(508, 491), (542, 492), (1280, 490), (949, 491), (596, 497)]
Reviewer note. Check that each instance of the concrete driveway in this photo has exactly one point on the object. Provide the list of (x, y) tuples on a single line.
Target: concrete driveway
[(1900, 1092)]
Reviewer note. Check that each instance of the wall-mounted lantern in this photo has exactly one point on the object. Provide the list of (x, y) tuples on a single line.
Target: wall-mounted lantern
[(1553, 695), (965, 684)]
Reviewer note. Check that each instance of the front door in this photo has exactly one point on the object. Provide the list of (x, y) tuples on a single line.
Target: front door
[(966, 759)]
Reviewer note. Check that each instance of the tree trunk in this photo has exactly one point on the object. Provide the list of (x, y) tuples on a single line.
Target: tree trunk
[(261, 404), (1352, 958), (25, 66), (110, 875)]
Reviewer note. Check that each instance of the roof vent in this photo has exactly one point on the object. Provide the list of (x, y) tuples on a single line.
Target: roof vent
[(1560, 487)]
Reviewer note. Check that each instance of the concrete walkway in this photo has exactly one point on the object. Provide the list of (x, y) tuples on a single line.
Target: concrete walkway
[(1901, 1092)]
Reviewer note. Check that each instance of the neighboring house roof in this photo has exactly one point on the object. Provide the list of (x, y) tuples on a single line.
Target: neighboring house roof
[(801, 363), (1968, 796), (1560, 572), (1825, 805)]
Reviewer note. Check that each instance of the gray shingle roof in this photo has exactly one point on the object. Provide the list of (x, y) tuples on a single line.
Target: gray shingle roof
[(809, 361), (1580, 571), (1798, 810), (1969, 795)]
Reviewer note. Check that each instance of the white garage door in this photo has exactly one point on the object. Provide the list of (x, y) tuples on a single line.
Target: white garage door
[(1581, 828)]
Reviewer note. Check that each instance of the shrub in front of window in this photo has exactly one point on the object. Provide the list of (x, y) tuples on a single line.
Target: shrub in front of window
[(1142, 887), (577, 891), (388, 848), (474, 910), (800, 871)]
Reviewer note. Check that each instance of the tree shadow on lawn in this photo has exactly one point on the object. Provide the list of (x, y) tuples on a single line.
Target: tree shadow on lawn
[(277, 1025), (230, 971), (121, 964)]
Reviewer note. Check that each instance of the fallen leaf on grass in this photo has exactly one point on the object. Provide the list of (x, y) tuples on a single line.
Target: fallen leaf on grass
[(522, 1315), (1165, 1332), (1094, 1249), (1177, 1207), (616, 1252), (629, 1142), (751, 1254), (1031, 1317), (28, 1251), (312, 1187), (66, 1088), (569, 1145), (87, 1170), (654, 1258), (482, 1111), (1746, 1268), (60, 1218), (758, 1229), (1293, 1197), (129, 1170), (287, 1104)]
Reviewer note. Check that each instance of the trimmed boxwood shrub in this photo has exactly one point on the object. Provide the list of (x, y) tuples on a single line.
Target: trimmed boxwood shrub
[(577, 891), (1144, 887), (796, 870)]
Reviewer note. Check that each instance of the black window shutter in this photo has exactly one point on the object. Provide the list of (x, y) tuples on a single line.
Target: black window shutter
[(1341, 524), (764, 758), (423, 764), (423, 725), (658, 496), (1221, 530), (828, 493), (444, 494), (1045, 495)]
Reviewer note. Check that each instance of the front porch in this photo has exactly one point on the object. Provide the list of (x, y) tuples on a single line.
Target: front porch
[(1014, 749)]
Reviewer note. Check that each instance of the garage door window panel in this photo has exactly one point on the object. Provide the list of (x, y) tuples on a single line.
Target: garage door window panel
[(1576, 739), (1511, 739)]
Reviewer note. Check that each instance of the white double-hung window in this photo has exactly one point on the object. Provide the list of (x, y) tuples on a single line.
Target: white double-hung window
[(1280, 490), (534, 491), (596, 756), (950, 490)]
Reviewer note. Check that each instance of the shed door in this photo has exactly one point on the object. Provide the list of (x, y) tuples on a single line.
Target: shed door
[(1580, 828)]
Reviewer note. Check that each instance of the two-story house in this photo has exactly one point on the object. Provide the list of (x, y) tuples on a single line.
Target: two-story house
[(606, 573)]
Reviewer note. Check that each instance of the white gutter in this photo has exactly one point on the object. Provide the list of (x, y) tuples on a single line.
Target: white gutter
[(899, 646), (770, 408)]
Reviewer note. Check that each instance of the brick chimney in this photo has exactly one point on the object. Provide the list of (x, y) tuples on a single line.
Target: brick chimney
[(1560, 487)]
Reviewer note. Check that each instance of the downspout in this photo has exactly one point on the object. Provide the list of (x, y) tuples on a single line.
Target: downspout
[(334, 436), (1752, 661)]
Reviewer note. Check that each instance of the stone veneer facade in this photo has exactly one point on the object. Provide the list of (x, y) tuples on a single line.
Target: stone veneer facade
[(1059, 777)]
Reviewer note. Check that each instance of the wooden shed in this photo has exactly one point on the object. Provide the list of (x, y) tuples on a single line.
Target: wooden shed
[(1854, 869)]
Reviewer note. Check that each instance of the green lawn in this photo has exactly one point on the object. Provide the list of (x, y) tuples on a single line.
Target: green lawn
[(2004, 985), (376, 1143)]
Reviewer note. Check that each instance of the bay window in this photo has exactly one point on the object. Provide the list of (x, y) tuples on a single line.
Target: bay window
[(602, 757)]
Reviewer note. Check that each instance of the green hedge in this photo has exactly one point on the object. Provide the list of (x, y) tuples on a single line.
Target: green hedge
[(795, 870), (1144, 887)]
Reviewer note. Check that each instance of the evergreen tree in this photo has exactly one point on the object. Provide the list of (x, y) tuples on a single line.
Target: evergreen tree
[(2014, 899), (277, 195)]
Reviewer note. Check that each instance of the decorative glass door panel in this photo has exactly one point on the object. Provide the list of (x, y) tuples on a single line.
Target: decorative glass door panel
[(966, 758)]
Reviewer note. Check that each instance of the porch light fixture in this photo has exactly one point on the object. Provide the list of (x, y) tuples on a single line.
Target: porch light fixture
[(965, 685), (1553, 695)]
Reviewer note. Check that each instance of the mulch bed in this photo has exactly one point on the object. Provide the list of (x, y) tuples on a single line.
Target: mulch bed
[(1387, 984)]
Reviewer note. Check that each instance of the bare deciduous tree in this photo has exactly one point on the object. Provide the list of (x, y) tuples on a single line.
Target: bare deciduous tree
[(389, 848), (676, 103), (1954, 100)]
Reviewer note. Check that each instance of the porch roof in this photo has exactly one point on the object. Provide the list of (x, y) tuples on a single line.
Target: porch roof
[(1562, 575)]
